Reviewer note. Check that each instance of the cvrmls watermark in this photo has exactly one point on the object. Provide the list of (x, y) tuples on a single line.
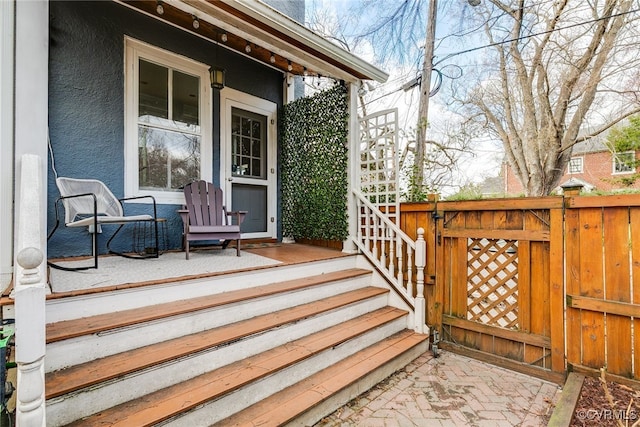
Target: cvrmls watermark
[(607, 414)]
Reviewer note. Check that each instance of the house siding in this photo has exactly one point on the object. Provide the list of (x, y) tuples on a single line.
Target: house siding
[(86, 99), (597, 170)]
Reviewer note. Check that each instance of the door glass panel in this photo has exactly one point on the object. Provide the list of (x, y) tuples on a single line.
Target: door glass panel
[(250, 155)]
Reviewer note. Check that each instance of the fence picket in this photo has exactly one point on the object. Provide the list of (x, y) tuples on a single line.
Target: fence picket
[(634, 233), (617, 287), (591, 285)]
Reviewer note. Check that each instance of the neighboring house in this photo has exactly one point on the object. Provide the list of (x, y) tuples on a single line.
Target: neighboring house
[(592, 165), (98, 85)]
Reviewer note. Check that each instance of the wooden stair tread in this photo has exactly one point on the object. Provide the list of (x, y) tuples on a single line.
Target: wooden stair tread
[(100, 370), (284, 406), (89, 325), (166, 403)]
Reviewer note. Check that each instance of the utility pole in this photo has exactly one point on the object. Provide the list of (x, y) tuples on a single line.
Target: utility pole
[(425, 89)]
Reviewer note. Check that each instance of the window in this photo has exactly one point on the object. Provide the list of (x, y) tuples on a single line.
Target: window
[(168, 123), (624, 162), (575, 165)]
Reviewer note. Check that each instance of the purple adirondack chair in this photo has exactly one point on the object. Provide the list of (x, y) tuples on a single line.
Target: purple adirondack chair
[(206, 218)]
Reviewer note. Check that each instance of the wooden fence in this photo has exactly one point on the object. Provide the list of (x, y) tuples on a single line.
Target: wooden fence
[(511, 281)]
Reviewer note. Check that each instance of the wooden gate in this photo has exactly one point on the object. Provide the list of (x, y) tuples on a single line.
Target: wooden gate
[(498, 285)]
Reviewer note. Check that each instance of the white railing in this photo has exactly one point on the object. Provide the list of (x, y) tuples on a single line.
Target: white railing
[(394, 254), (29, 297)]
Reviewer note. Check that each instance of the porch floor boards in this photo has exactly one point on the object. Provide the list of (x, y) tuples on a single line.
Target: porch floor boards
[(106, 368), (167, 403), (94, 324)]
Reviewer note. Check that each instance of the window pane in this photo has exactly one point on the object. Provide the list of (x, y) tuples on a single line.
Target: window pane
[(167, 160), (575, 165), (153, 91), (250, 129), (624, 162), (185, 98)]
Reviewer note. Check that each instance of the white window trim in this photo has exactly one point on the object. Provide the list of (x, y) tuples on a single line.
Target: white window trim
[(613, 165), (134, 50), (581, 165)]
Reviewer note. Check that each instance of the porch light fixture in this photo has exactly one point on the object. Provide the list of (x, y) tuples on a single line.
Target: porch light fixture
[(272, 59), (223, 37), (247, 48), (289, 66), (160, 8), (216, 75), (196, 23)]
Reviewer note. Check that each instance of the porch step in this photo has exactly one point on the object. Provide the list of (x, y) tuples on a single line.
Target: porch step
[(212, 354), (76, 341), (205, 389), (67, 329), (309, 400), (91, 373)]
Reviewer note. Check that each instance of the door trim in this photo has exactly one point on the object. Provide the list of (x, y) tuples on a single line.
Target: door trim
[(230, 98)]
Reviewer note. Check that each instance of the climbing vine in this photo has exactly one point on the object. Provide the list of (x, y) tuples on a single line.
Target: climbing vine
[(314, 166)]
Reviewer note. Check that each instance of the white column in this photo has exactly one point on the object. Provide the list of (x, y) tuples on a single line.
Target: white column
[(352, 167), (31, 101), (6, 142)]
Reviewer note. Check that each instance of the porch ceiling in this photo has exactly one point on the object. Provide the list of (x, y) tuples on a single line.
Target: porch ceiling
[(267, 31)]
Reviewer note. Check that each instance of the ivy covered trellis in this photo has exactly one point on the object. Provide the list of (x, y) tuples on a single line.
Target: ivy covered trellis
[(314, 166)]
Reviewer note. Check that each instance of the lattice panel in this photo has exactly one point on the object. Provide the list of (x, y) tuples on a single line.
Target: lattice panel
[(492, 282), (378, 172)]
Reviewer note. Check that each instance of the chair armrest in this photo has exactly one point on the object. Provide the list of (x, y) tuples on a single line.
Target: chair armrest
[(153, 199), (61, 198), (239, 214), (184, 214)]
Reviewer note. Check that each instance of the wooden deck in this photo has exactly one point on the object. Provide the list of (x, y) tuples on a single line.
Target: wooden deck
[(296, 253)]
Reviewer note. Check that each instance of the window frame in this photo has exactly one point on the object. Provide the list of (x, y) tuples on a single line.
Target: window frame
[(581, 158), (615, 163), (134, 51)]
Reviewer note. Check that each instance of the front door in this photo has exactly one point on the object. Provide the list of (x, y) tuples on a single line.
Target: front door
[(248, 172)]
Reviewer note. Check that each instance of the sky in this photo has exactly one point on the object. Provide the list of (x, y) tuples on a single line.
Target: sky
[(488, 155)]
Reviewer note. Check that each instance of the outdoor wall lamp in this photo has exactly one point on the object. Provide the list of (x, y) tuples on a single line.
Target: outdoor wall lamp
[(216, 75)]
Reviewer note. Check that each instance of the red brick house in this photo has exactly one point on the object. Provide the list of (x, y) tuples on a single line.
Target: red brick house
[(592, 164)]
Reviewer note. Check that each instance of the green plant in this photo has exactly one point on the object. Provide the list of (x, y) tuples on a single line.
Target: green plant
[(415, 192), (314, 166), (623, 139)]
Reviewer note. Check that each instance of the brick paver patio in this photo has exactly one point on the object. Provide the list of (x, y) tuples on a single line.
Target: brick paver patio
[(451, 390)]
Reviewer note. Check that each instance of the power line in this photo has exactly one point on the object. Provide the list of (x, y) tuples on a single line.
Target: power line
[(535, 35)]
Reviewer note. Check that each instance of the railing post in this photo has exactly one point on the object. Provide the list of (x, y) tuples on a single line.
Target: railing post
[(421, 261), (30, 340)]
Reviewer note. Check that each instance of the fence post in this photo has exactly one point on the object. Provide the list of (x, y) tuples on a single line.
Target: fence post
[(420, 306)]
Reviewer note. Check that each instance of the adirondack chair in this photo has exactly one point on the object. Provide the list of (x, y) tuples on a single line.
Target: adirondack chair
[(89, 203), (206, 218)]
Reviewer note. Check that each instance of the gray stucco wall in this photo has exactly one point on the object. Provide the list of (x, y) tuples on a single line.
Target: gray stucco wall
[(86, 100)]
